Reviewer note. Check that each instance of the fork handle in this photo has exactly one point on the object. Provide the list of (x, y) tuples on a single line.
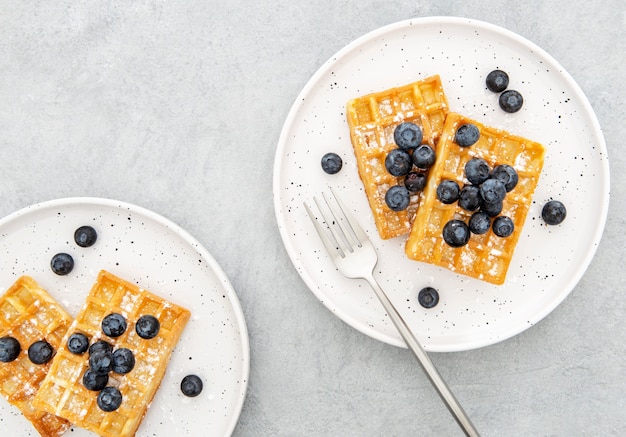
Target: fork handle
[(424, 360)]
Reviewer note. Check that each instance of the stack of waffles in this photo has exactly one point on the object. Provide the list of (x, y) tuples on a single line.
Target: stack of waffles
[(372, 120), (52, 396)]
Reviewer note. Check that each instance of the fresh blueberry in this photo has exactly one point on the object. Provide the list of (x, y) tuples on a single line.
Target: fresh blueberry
[(424, 157), (470, 199), (114, 325), (191, 385), (477, 171), (466, 135), (415, 182), (492, 209), (123, 360), (397, 198), (331, 163), (101, 362), (479, 223), (428, 297), (505, 174), (492, 190), (448, 191), (511, 101), (147, 327), (497, 81), (78, 343), (109, 399), (40, 352), (95, 381), (456, 233), (553, 212), (408, 135), (100, 345), (398, 162), (62, 263), (503, 226), (9, 349), (85, 236)]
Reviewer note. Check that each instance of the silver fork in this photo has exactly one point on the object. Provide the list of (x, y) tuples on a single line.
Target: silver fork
[(355, 257)]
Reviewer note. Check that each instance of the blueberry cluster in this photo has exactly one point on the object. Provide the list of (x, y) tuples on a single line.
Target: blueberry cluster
[(63, 263), (410, 160), (483, 196), (103, 359), (510, 100), (40, 352)]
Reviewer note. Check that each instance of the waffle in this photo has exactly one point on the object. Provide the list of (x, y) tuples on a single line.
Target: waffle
[(62, 391), (29, 314), (486, 257), (372, 120)]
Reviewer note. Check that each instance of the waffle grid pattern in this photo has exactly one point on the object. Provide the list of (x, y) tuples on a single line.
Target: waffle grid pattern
[(486, 257), (28, 313), (372, 120), (62, 391)]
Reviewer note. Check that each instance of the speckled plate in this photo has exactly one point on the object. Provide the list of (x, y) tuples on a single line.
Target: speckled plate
[(144, 248), (548, 262)]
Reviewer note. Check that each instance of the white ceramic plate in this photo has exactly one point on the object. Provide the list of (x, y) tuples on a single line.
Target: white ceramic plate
[(548, 261), (147, 249)]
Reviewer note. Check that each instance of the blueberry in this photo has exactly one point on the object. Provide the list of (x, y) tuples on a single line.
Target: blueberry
[(408, 135), (448, 192), (191, 385), (553, 212), (511, 101), (123, 360), (78, 343), (398, 162), (40, 352), (505, 174), (109, 399), (147, 327), (492, 190), (85, 236), (456, 233), (9, 349), (397, 198), (497, 81), (492, 209), (428, 297), (95, 381), (479, 223), (62, 263), (100, 345), (477, 171), (114, 325), (415, 182), (466, 135), (424, 157), (470, 199), (503, 226), (101, 362), (331, 163)]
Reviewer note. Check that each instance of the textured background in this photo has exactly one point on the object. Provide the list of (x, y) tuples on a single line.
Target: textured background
[(178, 106)]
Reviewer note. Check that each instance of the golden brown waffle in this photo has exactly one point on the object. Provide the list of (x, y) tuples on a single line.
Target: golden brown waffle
[(486, 256), (62, 391), (372, 120), (29, 314)]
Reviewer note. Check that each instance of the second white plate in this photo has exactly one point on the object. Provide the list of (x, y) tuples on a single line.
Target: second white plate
[(548, 261)]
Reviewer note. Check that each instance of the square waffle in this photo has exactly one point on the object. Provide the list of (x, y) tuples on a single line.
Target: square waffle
[(372, 120), (62, 392), (29, 314), (486, 257)]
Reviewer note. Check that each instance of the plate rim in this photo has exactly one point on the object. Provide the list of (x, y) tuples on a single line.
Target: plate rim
[(390, 28), (223, 279)]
